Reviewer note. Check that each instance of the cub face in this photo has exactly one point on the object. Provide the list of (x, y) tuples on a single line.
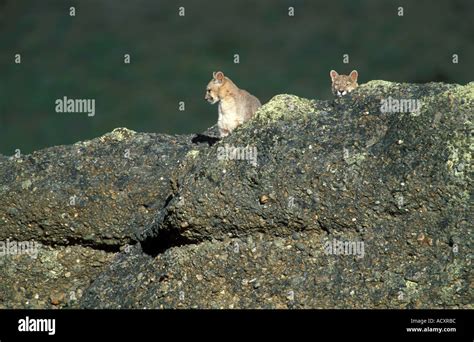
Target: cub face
[(213, 90), (343, 84)]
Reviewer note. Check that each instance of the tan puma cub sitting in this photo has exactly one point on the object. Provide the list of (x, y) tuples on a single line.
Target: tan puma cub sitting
[(343, 84), (235, 105)]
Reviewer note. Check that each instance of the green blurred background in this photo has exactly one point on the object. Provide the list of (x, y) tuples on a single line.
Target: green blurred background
[(173, 57)]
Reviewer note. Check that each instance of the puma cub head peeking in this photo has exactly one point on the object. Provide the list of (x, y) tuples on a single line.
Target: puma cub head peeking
[(235, 105), (343, 84)]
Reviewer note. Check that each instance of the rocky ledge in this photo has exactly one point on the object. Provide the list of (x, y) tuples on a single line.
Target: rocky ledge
[(356, 202)]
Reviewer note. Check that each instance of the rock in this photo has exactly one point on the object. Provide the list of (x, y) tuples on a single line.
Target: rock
[(57, 297), (94, 193), (357, 172), (346, 207), (44, 279), (300, 246)]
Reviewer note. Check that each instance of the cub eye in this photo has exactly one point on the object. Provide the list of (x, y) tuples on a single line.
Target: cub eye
[(208, 90)]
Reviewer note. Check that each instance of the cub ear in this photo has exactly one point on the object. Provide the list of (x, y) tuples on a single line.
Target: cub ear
[(333, 74), (354, 74), (218, 76)]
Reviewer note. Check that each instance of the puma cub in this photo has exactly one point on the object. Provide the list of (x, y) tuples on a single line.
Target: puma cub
[(235, 105), (343, 84)]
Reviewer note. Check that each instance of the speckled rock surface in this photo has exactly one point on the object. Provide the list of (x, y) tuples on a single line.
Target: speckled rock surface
[(51, 278), (93, 193), (326, 204), (396, 271)]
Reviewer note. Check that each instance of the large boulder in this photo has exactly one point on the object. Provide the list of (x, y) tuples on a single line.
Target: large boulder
[(350, 202)]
